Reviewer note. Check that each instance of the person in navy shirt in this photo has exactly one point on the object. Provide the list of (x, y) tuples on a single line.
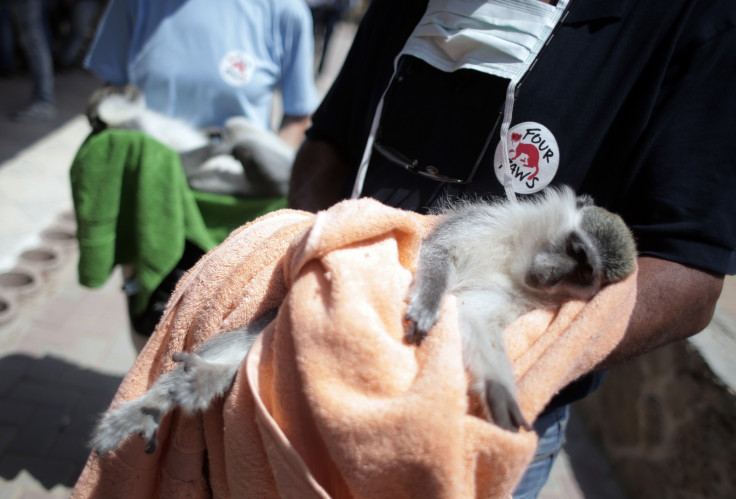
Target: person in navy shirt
[(629, 102)]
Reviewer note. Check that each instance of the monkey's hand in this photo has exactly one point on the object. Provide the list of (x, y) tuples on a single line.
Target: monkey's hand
[(199, 381), (423, 310), (421, 319)]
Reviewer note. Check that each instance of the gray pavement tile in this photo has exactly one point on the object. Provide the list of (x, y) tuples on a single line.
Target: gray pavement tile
[(37, 494), (72, 448), (7, 435), (15, 412), (37, 436), (92, 383), (48, 472), (46, 370), (12, 369), (45, 394), (86, 413), (9, 490), (43, 334)]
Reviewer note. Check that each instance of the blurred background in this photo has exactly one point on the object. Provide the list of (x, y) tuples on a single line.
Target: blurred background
[(661, 427)]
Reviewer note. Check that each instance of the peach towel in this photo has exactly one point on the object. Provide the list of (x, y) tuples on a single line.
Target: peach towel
[(331, 402)]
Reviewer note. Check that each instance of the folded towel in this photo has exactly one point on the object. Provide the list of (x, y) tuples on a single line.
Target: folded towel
[(331, 401)]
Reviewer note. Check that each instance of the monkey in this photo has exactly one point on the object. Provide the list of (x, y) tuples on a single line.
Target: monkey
[(237, 159), (499, 259), (125, 107)]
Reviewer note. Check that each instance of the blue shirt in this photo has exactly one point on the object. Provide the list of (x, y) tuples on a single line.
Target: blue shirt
[(203, 61)]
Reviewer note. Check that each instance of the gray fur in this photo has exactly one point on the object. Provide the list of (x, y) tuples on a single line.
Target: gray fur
[(200, 378), (238, 159), (498, 259), (502, 259)]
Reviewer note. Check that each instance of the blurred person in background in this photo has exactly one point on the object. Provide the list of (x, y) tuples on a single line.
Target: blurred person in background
[(200, 63), (325, 15), (7, 42), (72, 24), (629, 102), (204, 62), (29, 19)]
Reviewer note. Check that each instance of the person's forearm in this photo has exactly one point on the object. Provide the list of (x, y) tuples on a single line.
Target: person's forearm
[(673, 302), (292, 129), (318, 177)]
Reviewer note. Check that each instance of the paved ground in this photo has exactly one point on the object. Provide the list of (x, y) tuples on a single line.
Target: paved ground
[(65, 352)]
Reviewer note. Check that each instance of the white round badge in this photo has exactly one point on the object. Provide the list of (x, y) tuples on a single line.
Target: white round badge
[(236, 68), (533, 155)]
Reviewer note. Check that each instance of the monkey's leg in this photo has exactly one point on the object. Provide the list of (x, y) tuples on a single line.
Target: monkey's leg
[(425, 295), (141, 416), (209, 372), (193, 385), (481, 328)]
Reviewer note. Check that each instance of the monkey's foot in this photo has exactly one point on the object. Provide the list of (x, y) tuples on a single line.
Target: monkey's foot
[(132, 417), (503, 409), (198, 381)]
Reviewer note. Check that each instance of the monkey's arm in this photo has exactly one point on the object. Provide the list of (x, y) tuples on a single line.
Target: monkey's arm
[(425, 296), (318, 176), (673, 302)]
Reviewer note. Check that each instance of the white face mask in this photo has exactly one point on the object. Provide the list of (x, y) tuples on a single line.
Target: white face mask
[(498, 37), (491, 36)]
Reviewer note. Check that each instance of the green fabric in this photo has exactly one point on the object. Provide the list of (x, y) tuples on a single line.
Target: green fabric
[(222, 214), (134, 206)]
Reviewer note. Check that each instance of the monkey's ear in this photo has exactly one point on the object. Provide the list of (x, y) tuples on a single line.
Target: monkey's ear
[(568, 270), (584, 200)]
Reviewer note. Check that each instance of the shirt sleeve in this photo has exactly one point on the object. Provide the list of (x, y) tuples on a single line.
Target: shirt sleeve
[(297, 80), (108, 56), (680, 204)]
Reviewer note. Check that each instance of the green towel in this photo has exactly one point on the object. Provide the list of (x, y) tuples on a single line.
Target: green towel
[(222, 214), (133, 206)]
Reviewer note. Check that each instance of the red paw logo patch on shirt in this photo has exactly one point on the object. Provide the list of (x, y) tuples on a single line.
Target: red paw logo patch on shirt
[(533, 156), (237, 67)]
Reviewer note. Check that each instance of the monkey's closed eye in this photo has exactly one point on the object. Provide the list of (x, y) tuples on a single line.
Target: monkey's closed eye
[(575, 248)]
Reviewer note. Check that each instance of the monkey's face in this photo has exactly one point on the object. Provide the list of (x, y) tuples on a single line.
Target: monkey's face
[(613, 241), (106, 102), (599, 251), (568, 269)]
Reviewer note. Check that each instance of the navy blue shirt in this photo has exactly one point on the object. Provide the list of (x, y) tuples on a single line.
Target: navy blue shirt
[(638, 95)]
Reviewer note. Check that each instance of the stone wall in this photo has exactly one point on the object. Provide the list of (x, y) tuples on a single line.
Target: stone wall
[(667, 425)]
